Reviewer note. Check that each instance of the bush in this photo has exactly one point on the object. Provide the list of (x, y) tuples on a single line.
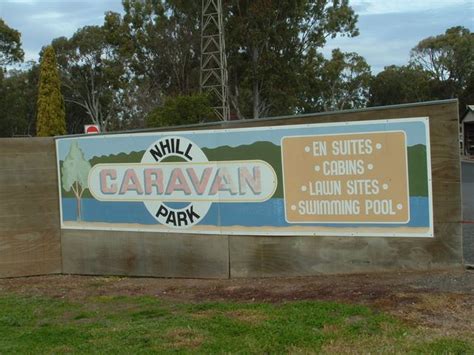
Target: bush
[(181, 110)]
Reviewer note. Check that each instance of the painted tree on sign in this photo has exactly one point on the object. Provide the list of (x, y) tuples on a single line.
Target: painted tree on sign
[(74, 173)]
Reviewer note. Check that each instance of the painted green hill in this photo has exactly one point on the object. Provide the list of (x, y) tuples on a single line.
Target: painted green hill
[(265, 151), (271, 153), (417, 172)]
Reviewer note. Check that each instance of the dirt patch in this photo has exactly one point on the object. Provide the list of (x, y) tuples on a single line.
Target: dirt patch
[(383, 345), (354, 320), (207, 314), (184, 338), (441, 300), (395, 288), (449, 311), (331, 328)]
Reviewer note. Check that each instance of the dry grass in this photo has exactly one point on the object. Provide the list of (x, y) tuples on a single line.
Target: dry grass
[(184, 338)]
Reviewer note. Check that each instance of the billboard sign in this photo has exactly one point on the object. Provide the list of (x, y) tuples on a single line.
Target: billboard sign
[(366, 178)]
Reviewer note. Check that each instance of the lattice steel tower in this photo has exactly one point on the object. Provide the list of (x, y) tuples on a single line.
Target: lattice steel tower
[(213, 76)]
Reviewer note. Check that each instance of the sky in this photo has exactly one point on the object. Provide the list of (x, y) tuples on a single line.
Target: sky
[(388, 28)]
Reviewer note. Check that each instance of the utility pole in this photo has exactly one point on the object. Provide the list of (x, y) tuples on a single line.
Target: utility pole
[(213, 74)]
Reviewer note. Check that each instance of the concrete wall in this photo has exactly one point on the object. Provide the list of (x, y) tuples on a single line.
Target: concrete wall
[(209, 256), (29, 216), (468, 211)]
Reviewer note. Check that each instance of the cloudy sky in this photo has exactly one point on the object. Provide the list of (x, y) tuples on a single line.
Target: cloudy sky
[(388, 28)]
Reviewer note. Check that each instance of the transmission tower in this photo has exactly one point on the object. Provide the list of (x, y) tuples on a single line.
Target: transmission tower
[(213, 75)]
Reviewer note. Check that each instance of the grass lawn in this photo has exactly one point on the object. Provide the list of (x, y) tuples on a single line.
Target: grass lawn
[(119, 324)]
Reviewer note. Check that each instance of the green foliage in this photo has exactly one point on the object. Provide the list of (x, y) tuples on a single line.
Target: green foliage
[(181, 110), (18, 90), (10, 45), (115, 75), (50, 119), (449, 60), (143, 324), (268, 43), (448, 57), (440, 67), (161, 41), (158, 44), (94, 77), (339, 83), (445, 346), (140, 324), (399, 85)]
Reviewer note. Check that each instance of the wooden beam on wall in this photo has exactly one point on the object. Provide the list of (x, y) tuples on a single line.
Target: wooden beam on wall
[(29, 208)]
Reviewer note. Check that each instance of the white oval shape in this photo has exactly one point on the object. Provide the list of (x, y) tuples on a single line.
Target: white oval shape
[(222, 181)]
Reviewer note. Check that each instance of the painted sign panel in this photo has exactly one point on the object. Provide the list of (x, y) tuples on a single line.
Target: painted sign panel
[(346, 178), (367, 178)]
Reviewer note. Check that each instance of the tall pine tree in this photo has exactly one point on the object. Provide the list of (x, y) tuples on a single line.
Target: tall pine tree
[(50, 120)]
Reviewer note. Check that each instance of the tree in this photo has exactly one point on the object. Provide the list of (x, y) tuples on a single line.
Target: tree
[(449, 60), (93, 76), (181, 110), (339, 83), (268, 42), (158, 44), (399, 85), (10, 45), (440, 67), (18, 90), (74, 174), (50, 119)]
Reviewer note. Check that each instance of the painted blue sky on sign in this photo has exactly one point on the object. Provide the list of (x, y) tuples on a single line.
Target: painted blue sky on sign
[(126, 143)]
